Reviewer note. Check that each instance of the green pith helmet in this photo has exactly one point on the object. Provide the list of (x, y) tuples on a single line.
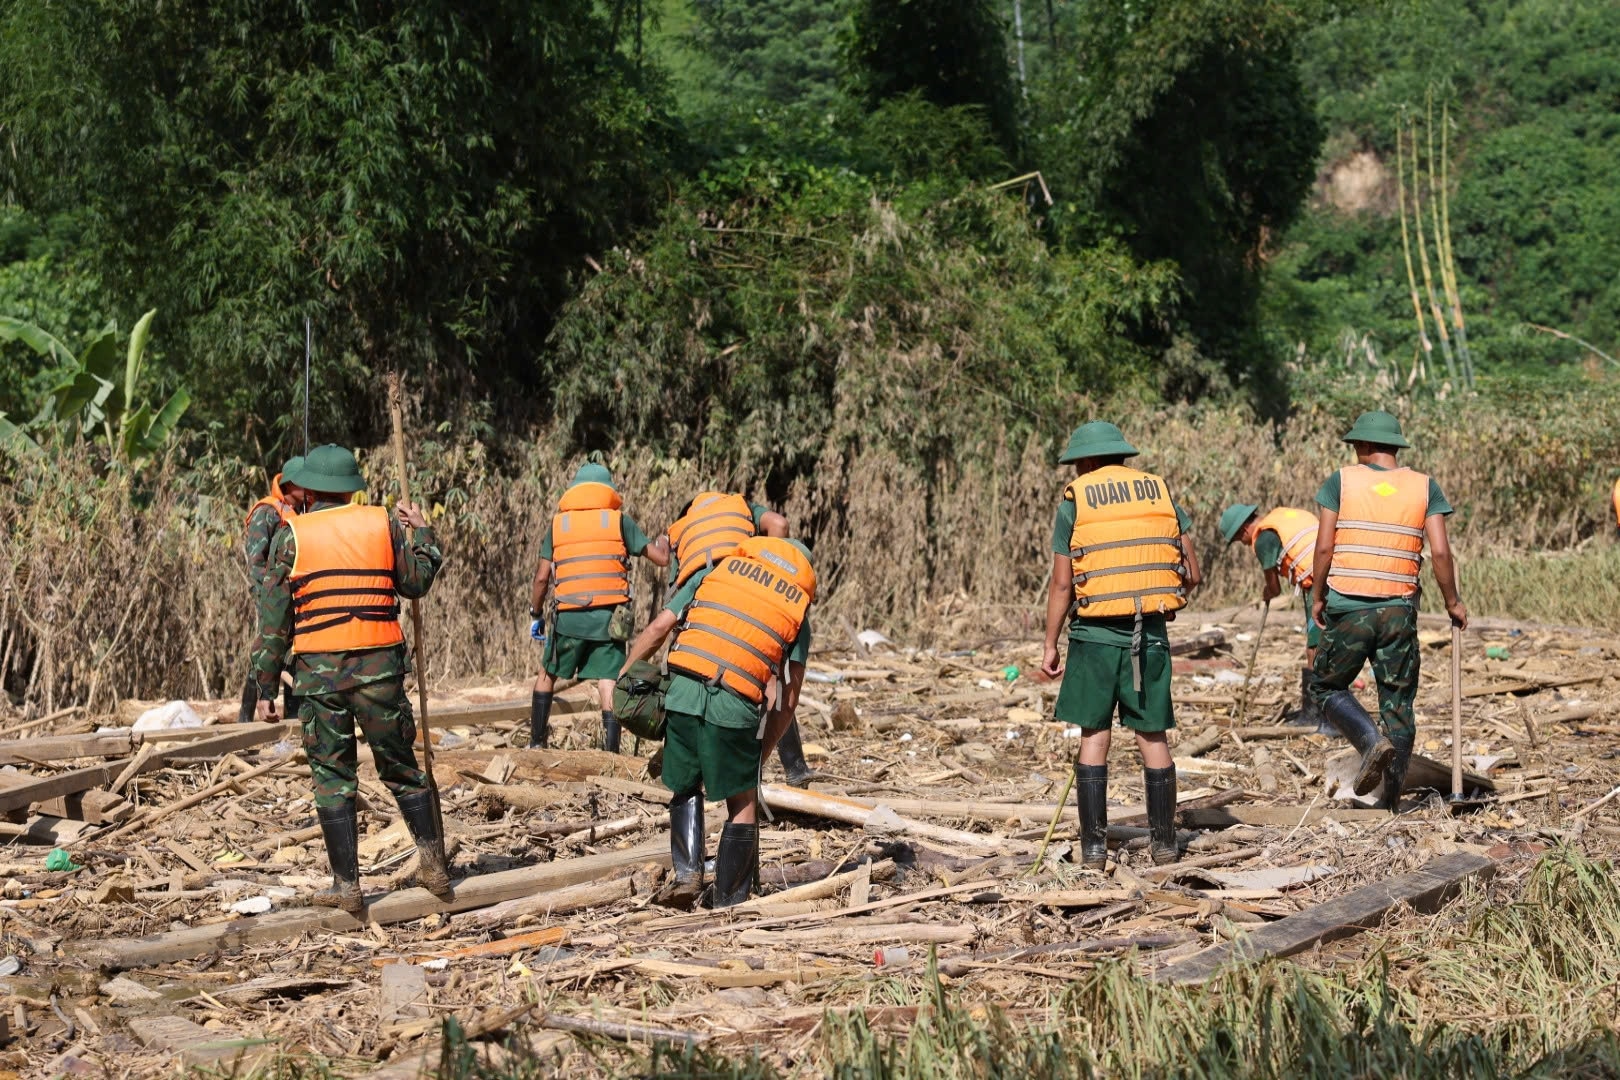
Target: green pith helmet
[(593, 473), (328, 469), (1233, 519), (1097, 439), (1379, 428), (292, 466)]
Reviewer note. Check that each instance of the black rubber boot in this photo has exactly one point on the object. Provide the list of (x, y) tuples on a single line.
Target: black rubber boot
[(735, 864), (1395, 774), (685, 852), (539, 720), (1091, 796), (1354, 724), (343, 853), (790, 748), (1308, 715), (290, 703), (1161, 814), (611, 732), (250, 702), (422, 819)]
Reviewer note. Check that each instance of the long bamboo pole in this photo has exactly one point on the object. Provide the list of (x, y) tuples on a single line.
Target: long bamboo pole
[(396, 413), (1427, 348), (1423, 261), (1448, 262)]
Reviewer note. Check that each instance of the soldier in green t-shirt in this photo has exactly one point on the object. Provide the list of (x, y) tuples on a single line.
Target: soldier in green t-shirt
[(581, 642)]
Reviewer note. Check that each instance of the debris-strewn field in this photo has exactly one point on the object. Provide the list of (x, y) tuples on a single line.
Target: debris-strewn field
[(180, 933)]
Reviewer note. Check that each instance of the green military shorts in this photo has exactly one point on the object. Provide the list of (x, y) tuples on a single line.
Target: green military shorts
[(1098, 677), (567, 657), (724, 760), (1313, 633)]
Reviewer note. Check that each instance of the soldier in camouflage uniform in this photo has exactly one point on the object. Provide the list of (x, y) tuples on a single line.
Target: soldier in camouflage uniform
[(1374, 517), (309, 605), (264, 520)]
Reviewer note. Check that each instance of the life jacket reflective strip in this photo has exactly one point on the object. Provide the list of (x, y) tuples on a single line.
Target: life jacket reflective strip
[(588, 556), (1126, 544), (1617, 503), (745, 617), (343, 581), (1378, 539), (275, 500), (1296, 529), (711, 529)]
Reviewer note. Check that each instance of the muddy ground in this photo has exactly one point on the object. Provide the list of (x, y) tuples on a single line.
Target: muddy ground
[(957, 744)]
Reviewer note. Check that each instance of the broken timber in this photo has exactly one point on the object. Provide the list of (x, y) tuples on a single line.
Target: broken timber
[(404, 905), (243, 737), (1425, 889)]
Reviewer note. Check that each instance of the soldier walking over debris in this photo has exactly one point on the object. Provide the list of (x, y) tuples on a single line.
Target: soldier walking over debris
[(1121, 562), (1374, 518), (710, 528), (737, 626), (584, 569), (329, 610), (1284, 542), (264, 519)]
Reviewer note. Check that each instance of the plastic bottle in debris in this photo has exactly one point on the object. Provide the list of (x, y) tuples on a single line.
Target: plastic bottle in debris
[(897, 956)]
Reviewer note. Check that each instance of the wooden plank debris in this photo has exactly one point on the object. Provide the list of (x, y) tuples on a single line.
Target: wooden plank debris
[(201, 1046), (1424, 889)]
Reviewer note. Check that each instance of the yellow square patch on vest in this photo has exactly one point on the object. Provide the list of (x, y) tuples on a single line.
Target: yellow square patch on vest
[(1384, 488)]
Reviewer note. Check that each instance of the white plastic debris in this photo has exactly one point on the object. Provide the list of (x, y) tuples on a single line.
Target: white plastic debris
[(253, 905), (1012, 733), (906, 737), (1228, 677), (435, 965), (170, 717), (986, 684), (1245, 637), (871, 639)]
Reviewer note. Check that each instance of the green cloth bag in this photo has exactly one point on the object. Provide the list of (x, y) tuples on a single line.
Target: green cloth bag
[(638, 700)]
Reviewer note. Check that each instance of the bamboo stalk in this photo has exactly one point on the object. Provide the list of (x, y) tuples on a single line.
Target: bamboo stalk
[(1423, 261), (1449, 262), (396, 412), (1427, 348)]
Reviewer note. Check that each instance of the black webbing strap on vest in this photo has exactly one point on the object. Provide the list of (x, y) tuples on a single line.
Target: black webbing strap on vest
[(309, 622)]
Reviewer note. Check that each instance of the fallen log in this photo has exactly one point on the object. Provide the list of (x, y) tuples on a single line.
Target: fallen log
[(1278, 816), (402, 906), (962, 965), (551, 902), (880, 816), (1425, 889), (903, 933)]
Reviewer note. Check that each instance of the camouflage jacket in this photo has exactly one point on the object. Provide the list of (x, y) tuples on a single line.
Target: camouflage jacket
[(416, 563), (262, 525)]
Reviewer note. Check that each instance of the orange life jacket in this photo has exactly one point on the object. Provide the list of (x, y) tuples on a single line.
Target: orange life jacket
[(745, 616), (711, 529), (1617, 503), (588, 556), (1126, 544), (276, 501), (1378, 540), (343, 581), (1297, 531)]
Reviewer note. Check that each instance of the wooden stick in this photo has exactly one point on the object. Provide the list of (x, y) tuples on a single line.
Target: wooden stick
[(1051, 826), (154, 816), (1248, 680), (396, 414), (640, 1033), (1456, 715)]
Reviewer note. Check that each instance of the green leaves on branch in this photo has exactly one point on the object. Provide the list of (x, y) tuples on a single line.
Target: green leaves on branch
[(97, 397)]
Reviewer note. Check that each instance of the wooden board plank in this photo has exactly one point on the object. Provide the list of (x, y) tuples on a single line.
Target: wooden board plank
[(65, 747), (402, 906), (240, 737), (1425, 889), (196, 1044), (1224, 817)]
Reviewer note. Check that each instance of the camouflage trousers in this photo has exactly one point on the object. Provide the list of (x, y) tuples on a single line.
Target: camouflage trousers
[(382, 712), (1386, 636)]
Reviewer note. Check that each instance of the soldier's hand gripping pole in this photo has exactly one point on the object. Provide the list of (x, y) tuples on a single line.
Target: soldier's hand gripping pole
[(396, 413)]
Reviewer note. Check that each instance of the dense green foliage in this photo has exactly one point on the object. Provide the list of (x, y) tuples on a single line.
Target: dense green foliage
[(1532, 88), (418, 179)]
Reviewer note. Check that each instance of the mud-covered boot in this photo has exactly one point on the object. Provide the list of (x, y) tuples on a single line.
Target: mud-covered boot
[(1346, 714), (790, 748), (1161, 814), (685, 852), (422, 819), (1091, 796), (736, 864), (1395, 774), (611, 733), (248, 712), (539, 720), (343, 853)]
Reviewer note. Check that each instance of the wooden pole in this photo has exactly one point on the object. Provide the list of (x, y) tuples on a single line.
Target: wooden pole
[(1248, 680), (396, 413), (1456, 715)]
